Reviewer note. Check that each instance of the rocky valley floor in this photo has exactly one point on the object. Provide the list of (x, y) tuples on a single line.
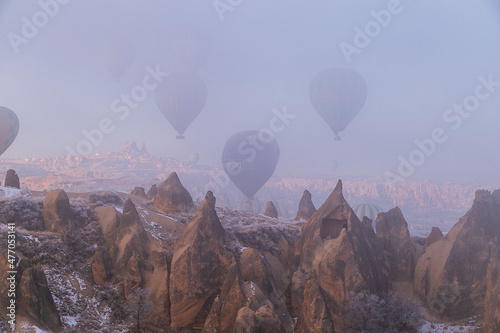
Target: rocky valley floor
[(163, 262)]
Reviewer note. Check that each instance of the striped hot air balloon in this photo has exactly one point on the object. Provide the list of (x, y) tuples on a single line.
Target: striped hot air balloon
[(9, 127), (369, 210)]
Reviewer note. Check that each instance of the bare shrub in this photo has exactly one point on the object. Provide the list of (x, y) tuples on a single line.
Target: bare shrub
[(107, 198), (389, 313), (24, 212)]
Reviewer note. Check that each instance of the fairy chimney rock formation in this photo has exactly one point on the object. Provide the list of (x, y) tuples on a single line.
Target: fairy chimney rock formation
[(306, 207), (452, 276), (402, 252), (198, 269), (172, 197), (271, 210), (153, 191), (57, 213), (12, 179), (434, 236), (345, 255), (139, 191)]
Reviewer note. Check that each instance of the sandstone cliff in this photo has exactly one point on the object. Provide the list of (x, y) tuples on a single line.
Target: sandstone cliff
[(402, 252), (450, 275), (339, 254)]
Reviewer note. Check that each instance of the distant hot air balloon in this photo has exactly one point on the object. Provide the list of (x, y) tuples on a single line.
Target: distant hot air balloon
[(180, 98), (133, 9), (117, 54), (369, 210), (333, 166), (194, 157), (249, 159), (190, 48), (338, 94), (9, 127)]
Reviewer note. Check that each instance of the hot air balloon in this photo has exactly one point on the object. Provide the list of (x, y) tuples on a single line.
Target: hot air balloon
[(369, 210), (193, 158), (180, 98), (9, 127), (117, 54), (133, 9), (249, 159), (332, 165), (338, 94), (190, 48)]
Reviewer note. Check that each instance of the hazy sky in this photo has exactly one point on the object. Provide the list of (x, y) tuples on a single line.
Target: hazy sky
[(259, 56)]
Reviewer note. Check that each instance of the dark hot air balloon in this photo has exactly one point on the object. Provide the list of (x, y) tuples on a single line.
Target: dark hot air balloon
[(338, 94), (117, 54), (180, 98), (249, 159), (9, 127)]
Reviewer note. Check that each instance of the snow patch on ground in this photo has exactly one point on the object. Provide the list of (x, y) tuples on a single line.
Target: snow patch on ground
[(11, 192), (168, 217), (153, 228), (27, 327), (469, 327), (81, 282), (69, 321)]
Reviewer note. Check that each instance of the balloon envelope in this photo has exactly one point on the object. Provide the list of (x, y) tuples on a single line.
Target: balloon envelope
[(250, 161), (117, 55), (194, 157), (333, 166), (369, 210), (9, 127), (180, 98), (190, 50), (338, 94)]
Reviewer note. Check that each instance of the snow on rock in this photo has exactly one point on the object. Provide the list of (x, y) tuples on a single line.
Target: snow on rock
[(253, 230), (73, 306), (11, 192), (153, 228)]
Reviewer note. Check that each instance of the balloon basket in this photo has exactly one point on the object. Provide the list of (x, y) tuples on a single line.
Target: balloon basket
[(180, 137), (338, 138)]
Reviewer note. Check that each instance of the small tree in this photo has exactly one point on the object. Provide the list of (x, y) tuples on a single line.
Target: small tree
[(363, 313), (390, 313), (404, 314), (138, 307)]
